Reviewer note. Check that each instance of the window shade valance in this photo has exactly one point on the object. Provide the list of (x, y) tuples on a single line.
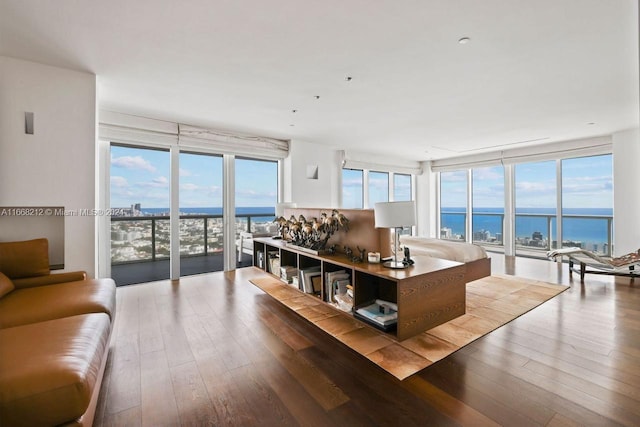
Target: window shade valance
[(232, 143), (561, 150), (129, 129), (357, 160)]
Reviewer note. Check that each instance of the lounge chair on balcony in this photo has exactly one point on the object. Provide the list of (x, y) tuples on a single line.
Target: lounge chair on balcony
[(245, 240), (620, 266)]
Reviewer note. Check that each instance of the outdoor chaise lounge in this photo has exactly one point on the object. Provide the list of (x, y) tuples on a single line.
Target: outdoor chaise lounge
[(620, 266)]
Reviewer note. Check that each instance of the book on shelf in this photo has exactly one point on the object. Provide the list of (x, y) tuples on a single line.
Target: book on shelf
[(287, 273), (273, 265), (382, 313), (330, 283), (316, 283), (306, 278)]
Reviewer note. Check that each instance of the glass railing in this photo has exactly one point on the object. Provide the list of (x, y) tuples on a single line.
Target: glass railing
[(534, 232), (146, 238)]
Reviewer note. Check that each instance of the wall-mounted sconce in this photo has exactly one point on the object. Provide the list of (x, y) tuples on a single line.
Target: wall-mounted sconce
[(312, 171), (28, 123)]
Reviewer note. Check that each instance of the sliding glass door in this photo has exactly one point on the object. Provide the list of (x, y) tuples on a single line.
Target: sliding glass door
[(256, 195), (201, 208), (139, 199)]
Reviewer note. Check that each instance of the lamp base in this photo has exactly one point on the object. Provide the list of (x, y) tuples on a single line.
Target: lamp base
[(395, 264)]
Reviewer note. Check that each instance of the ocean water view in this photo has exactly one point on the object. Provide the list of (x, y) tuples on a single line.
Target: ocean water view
[(588, 227)]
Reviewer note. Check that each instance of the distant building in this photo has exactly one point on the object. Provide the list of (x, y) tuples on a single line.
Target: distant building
[(482, 236), (446, 233)]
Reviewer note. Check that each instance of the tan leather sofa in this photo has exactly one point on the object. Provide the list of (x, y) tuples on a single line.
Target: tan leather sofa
[(54, 339)]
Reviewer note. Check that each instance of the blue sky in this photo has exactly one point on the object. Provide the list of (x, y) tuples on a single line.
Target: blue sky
[(378, 188), (587, 182), (142, 176)]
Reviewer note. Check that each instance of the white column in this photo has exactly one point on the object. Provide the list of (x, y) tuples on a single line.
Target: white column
[(423, 192), (174, 212), (365, 189), (509, 230), (626, 203), (103, 222), (229, 212), (469, 225), (558, 206)]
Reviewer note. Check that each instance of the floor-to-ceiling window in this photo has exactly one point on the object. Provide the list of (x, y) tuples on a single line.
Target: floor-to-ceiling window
[(201, 209), (402, 191), (453, 205), (352, 189), (587, 203), (535, 207), (488, 205), (378, 188), (256, 183), (581, 186), (139, 198)]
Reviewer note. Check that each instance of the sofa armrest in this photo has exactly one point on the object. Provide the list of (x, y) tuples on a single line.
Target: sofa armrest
[(50, 279)]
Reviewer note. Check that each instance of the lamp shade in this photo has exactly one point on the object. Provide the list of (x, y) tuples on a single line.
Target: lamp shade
[(394, 214), (280, 207)]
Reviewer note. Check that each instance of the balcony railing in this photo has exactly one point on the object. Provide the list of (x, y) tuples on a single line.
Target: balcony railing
[(534, 232), (146, 238)]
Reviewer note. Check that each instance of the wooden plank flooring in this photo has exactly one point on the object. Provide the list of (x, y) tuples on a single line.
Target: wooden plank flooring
[(215, 350)]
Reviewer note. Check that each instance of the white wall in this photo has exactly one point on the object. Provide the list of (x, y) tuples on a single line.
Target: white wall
[(626, 203), (323, 192), (56, 165)]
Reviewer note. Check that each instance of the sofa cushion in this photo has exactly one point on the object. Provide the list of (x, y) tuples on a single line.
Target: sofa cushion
[(30, 305), (6, 285), (48, 370), (25, 259)]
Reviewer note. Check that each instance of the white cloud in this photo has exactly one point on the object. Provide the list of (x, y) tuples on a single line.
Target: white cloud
[(119, 181), (189, 187), (185, 172), (132, 162), (159, 182)]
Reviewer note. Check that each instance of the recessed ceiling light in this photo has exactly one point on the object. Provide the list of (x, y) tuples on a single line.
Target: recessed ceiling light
[(464, 40), (317, 97), (348, 78), (591, 123), (294, 111), (292, 125)]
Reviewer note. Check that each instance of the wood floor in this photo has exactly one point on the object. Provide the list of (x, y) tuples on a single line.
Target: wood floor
[(215, 350)]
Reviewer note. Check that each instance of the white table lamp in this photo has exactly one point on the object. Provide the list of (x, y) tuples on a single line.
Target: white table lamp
[(395, 215)]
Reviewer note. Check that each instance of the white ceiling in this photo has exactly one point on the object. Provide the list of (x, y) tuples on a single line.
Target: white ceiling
[(534, 71)]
